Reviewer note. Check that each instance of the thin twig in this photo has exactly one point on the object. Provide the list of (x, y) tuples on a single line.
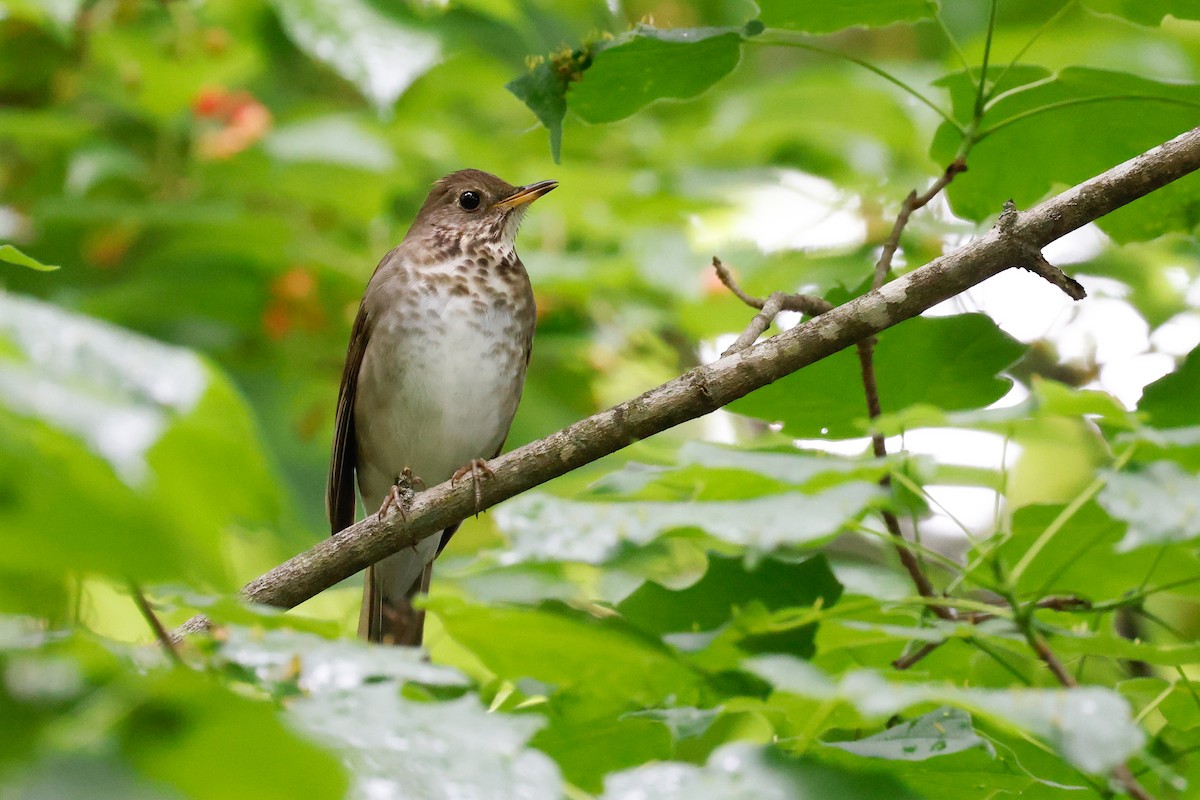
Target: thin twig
[(911, 203), (160, 633), (866, 358), (1130, 783), (1039, 645), (768, 309), (911, 659)]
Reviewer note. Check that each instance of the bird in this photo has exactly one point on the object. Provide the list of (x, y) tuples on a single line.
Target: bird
[(434, 372)]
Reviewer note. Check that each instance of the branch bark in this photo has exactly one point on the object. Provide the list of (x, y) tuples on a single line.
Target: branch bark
[(709, 387)]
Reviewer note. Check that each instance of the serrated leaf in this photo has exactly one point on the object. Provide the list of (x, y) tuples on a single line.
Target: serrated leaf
[(565, 648), (745, 772), (939, 733), (829, 17), (1090, 726), (394, 746), (948, 362), (12, 255), (729, 584), (635, 69), (319, 665), (403, 749), (1026, 159), (545, 528), (1161, 504), (796, 467)]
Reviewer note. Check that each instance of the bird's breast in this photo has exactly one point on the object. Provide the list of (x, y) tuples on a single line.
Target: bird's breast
[(440, 379)]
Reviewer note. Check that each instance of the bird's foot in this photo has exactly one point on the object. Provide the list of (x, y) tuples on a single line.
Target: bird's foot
[(400, 496), (478, 470)]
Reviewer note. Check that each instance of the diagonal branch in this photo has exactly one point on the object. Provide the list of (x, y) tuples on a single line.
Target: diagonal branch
[(709, 387)]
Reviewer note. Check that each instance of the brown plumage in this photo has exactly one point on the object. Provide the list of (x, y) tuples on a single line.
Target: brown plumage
[(434, 372)]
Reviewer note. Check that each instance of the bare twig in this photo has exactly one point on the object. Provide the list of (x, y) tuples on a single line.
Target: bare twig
[(1130, 784), (1038, 643), (911, 659), (866, 358), (711, 386), (160, 633), (913, 202), (769, 308)]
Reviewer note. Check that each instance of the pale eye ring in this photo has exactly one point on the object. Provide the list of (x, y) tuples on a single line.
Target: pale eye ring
[(469, 200)]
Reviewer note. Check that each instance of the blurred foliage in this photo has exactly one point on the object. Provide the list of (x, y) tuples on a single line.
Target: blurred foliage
[(710, 613)]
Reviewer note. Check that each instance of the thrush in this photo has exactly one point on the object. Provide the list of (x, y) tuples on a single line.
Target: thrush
[(434, 372)]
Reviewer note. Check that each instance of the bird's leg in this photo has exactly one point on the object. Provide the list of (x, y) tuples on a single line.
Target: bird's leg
[(478, 469), (400, 496)]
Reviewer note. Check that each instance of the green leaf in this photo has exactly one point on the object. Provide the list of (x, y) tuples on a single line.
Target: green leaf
[(566, 649), (635, 69), (374, 51), (543, 90), (545, 528), (1160, 503), (808, 469), (742, 771), (12, 255), (590, 738), (156, 452), (1108, 645), (187, 732), (1081, 558), (1090, 726), (319, 665), (1178, 707), (418, 749), (729, 584), (350, 698), (939, 733), (1170, 400), (1146, 12), (1028, 154), (829, 17), (948, 362)]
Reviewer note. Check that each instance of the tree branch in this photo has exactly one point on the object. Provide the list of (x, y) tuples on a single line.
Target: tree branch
[(866, 357), (709, 387)]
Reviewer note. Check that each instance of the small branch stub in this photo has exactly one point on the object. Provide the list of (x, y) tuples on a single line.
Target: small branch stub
[(1031, 257)]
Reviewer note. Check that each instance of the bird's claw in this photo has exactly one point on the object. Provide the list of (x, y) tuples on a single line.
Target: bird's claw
[(400, 496), (478, 469)]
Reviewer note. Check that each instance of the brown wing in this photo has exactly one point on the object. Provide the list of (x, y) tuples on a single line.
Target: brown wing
[(339, 489)]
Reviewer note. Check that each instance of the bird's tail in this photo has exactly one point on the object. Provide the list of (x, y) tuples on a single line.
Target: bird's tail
[(386, 619), (388, 615)]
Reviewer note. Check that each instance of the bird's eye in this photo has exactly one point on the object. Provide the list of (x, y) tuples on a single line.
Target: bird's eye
[(469, 200)]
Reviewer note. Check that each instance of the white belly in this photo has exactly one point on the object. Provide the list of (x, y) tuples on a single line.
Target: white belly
[(450, 393)]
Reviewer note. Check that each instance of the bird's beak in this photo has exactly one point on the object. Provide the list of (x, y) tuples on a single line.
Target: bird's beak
[(527, 194)]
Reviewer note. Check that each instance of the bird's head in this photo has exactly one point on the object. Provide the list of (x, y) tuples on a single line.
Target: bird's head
[(474, 205)]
